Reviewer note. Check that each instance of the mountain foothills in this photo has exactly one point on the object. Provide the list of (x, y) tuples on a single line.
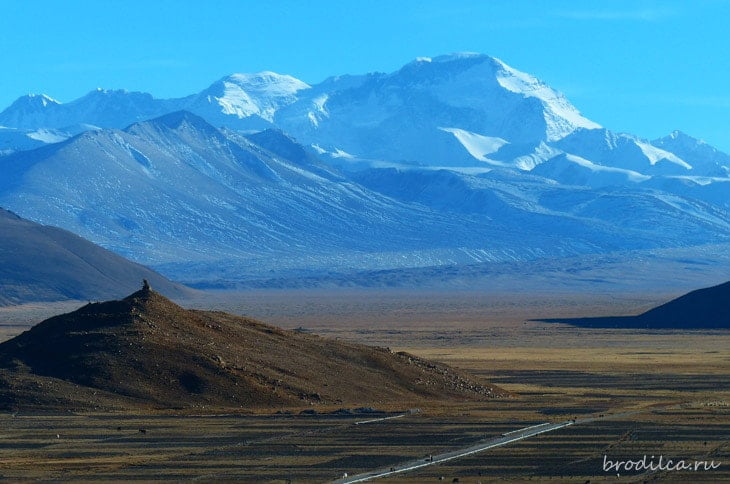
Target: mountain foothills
[(145, 352), (40, 263), (453, 160)]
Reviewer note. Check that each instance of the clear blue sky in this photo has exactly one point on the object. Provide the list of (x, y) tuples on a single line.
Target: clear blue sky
[(644, 67)]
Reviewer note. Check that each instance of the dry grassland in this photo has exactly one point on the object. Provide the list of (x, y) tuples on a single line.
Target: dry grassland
[(660, 393)]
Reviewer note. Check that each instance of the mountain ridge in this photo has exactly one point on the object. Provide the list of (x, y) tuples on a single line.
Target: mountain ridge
[(188, 193), (474, 94)]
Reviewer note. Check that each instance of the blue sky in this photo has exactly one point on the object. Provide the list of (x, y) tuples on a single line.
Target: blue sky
[(644, 67)]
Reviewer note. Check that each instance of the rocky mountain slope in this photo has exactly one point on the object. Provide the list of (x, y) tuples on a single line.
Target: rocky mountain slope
[(200, 202), (42, 263)]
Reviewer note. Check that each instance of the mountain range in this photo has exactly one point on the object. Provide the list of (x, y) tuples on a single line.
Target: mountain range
[(454, 110), (449, 160)]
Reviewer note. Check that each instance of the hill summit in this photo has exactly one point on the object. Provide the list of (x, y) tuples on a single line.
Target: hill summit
[(144, 351)]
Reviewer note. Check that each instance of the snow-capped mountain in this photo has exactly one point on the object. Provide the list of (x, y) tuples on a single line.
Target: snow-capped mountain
[(99, 108), (610, 149), (432, 111), (29, 112), (176, 189), (708, 160), (245, 101), (202, 203), (448, 160), (446, 111), (454, 110)]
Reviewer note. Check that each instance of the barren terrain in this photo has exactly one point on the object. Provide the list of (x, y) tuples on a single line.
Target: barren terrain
[(655, 393)]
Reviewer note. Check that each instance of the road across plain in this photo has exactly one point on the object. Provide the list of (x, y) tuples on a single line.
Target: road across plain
[(503, 439)]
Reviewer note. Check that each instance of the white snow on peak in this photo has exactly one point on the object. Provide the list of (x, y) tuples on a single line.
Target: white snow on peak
[(261, 93), (268, 82), (677, 134), (40, 100), (108, 92), (45, 99), (423, 59), (561, 116), (654, 155), (457, 56), (477, 145), (235, 101)]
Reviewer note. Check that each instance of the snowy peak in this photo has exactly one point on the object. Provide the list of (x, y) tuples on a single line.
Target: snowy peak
[(463, 109), (474, 75), (455, 63), (458, 56), (268, 82), (37, 101), (707, 160), (679, 139), (98, 108), (244, 95), (563, 118), (117, 100), (451, 110), (28, 112), (101, 93), (620, 150), (680, 136)]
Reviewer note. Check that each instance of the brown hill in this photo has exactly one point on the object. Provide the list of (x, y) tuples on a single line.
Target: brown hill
[(146, 352), (42, 263)]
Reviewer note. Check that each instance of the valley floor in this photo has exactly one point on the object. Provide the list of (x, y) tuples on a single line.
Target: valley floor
[(659, 393)]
